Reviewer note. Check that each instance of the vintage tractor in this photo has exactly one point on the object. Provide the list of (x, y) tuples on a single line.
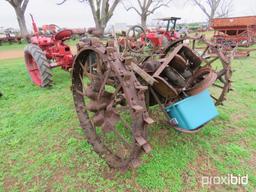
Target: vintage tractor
[(113, 94), (137, 38), (45, 51)]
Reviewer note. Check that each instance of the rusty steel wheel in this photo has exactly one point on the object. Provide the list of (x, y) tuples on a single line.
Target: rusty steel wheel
[(222, 84), (220, 62), (202, 79), (110, 105)]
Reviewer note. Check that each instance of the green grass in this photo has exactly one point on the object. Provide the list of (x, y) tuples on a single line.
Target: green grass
[(17, 46), (13, 46), (42, 147)]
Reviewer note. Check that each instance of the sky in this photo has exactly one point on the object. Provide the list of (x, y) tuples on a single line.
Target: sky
[(75, 14)]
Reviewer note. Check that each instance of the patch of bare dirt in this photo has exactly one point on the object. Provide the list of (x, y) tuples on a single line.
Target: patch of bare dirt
[(9, 182), (252, 161), (109, 173), (11, 54), (238, 116), (58, 177), (203, 166)]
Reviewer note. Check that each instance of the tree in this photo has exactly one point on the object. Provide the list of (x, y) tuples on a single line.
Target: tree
[(214, 8), (144, 8), (102, 11), (20, 8)]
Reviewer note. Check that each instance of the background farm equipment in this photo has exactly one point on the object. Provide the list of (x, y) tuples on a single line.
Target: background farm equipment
[(233, 32), (48, 29), (242, 52), (113, 93), (10, 35), (137, 38), (78, 32), (161, 36), (45, 51)]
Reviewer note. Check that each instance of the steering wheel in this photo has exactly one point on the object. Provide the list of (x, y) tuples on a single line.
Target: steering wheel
[(135, 38)]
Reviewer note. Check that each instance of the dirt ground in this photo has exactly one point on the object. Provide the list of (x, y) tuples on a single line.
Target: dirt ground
[(11, 54)]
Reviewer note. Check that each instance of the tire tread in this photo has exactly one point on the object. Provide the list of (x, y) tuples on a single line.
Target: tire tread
[(42, 63)]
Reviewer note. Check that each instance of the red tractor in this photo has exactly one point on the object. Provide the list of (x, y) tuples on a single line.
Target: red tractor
[(161, 36), (45, 51), (138, 38)]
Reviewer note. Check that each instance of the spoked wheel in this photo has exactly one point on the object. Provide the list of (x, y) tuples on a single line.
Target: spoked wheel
[(134, 39), (37, 66), (110, 106), (220, 63)]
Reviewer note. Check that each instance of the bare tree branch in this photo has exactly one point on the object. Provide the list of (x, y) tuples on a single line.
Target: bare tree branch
[(202, 7), (134, 10), (24, 5), (157, 7), (225, 9), (111, 10), (140, 4), (11, 2), (214, 8), (144, 8), (131, 8), (102, 11), (63, 1)]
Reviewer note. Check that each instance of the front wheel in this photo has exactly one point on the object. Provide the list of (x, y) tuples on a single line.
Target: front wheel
[(37, 66), (110, 106)]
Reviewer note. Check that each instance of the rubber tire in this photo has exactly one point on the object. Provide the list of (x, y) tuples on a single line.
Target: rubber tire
[(42, 63)]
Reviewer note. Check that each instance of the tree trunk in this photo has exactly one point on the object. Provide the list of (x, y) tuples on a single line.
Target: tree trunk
[(210, 18), (102, 12), (98, 24), (144, 21), (100, 29), (22, 23)]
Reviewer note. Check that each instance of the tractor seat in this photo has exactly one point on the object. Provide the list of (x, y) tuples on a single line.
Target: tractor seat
[(64, 34)]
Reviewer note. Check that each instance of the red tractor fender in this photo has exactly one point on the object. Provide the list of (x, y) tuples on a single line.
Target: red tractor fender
[(63, 35), (154, 38), (171, 36)]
